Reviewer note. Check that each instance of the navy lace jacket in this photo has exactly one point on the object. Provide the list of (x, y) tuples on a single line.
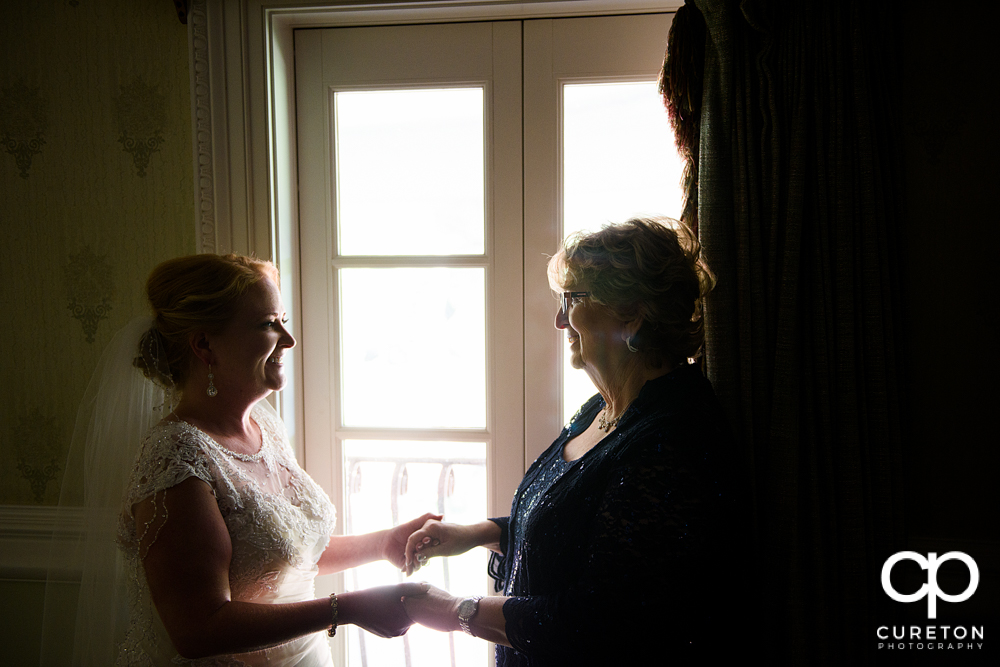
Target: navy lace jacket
[(632, 550)]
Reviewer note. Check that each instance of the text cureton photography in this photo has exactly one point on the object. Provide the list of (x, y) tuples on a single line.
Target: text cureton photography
[(931, 637)]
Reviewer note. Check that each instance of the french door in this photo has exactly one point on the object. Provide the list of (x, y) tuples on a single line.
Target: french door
[(433, 185)]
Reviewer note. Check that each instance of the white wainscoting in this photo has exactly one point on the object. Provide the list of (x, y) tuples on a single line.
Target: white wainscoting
[(27, 547)]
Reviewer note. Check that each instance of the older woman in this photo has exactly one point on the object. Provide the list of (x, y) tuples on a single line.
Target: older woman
[(222, 532), (614, 547)]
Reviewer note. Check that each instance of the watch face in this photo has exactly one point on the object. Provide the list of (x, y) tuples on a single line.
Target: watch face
[(466, 608)]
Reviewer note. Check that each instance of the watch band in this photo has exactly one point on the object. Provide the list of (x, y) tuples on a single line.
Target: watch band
[(466, 610)]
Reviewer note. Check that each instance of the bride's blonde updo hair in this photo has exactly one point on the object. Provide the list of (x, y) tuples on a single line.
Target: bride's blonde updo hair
[(645, 267), (188, 295)]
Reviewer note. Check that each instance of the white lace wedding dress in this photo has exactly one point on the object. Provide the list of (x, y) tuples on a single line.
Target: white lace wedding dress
[(279, 522)]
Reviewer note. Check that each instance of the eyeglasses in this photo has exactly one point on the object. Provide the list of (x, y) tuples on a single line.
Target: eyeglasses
[(567, 299)]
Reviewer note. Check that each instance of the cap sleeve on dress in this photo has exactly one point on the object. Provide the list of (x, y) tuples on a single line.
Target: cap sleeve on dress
[(170, 453)]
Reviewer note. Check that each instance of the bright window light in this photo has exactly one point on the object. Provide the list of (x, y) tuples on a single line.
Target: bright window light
[(392, 481), (410, 172), (619, 161), (414, 347)]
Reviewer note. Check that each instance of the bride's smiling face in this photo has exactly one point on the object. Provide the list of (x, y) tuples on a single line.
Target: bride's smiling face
[(249, 350)]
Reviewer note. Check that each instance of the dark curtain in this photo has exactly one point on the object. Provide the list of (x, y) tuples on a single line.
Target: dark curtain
[(786, 111)]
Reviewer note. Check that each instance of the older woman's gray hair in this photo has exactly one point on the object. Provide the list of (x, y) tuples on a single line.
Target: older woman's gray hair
[(644, 267)]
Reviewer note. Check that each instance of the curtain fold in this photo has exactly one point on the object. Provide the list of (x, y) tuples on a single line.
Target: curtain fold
[(797, 192)]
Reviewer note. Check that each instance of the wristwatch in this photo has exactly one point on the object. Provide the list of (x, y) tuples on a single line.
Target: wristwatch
[(466, 610)]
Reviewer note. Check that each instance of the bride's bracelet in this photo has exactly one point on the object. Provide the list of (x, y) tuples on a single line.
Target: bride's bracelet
[(333, 609)]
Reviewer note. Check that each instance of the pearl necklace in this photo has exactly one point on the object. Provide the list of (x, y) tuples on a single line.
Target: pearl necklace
[(605, 424)]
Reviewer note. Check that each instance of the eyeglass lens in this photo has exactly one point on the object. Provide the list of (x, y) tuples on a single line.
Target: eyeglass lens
[(567, 299)]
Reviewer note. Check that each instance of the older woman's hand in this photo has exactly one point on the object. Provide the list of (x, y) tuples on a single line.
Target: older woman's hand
[(435, 609), (395, 539), (436, 538)]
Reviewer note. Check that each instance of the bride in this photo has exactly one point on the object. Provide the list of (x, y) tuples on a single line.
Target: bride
[(221, 533)]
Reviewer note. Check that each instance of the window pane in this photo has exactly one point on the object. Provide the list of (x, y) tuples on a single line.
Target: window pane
[(619, 161), (414, 347), (619, 156), (410, 172), (392, 481), (577, 388)]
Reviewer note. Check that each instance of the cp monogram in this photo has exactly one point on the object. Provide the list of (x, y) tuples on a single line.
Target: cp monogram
[(930, 589)]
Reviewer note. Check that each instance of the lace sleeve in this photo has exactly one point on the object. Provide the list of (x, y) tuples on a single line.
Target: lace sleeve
[(170, 453), (649, 548)]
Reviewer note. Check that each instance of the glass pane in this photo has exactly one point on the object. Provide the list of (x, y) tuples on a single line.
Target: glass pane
[(619, 156), (413, 347), (619, 160), (392, 481), (410, 172), (577, 388)]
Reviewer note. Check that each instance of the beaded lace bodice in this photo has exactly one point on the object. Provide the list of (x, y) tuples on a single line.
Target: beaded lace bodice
[(279, 521)]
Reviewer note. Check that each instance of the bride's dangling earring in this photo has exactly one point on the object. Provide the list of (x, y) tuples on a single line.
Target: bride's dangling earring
[(211, 391)]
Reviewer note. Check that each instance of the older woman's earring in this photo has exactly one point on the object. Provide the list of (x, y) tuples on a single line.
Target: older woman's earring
[(211, 391), (628, 343)]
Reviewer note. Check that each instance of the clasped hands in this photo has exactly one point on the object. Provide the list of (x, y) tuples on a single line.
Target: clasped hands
[(435, 608), (390, 610)]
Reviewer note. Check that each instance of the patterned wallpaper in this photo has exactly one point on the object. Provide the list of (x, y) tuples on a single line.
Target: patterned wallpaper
[(96, 186)]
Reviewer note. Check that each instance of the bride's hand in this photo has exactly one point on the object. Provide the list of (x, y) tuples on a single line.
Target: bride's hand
[(379, 610)]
